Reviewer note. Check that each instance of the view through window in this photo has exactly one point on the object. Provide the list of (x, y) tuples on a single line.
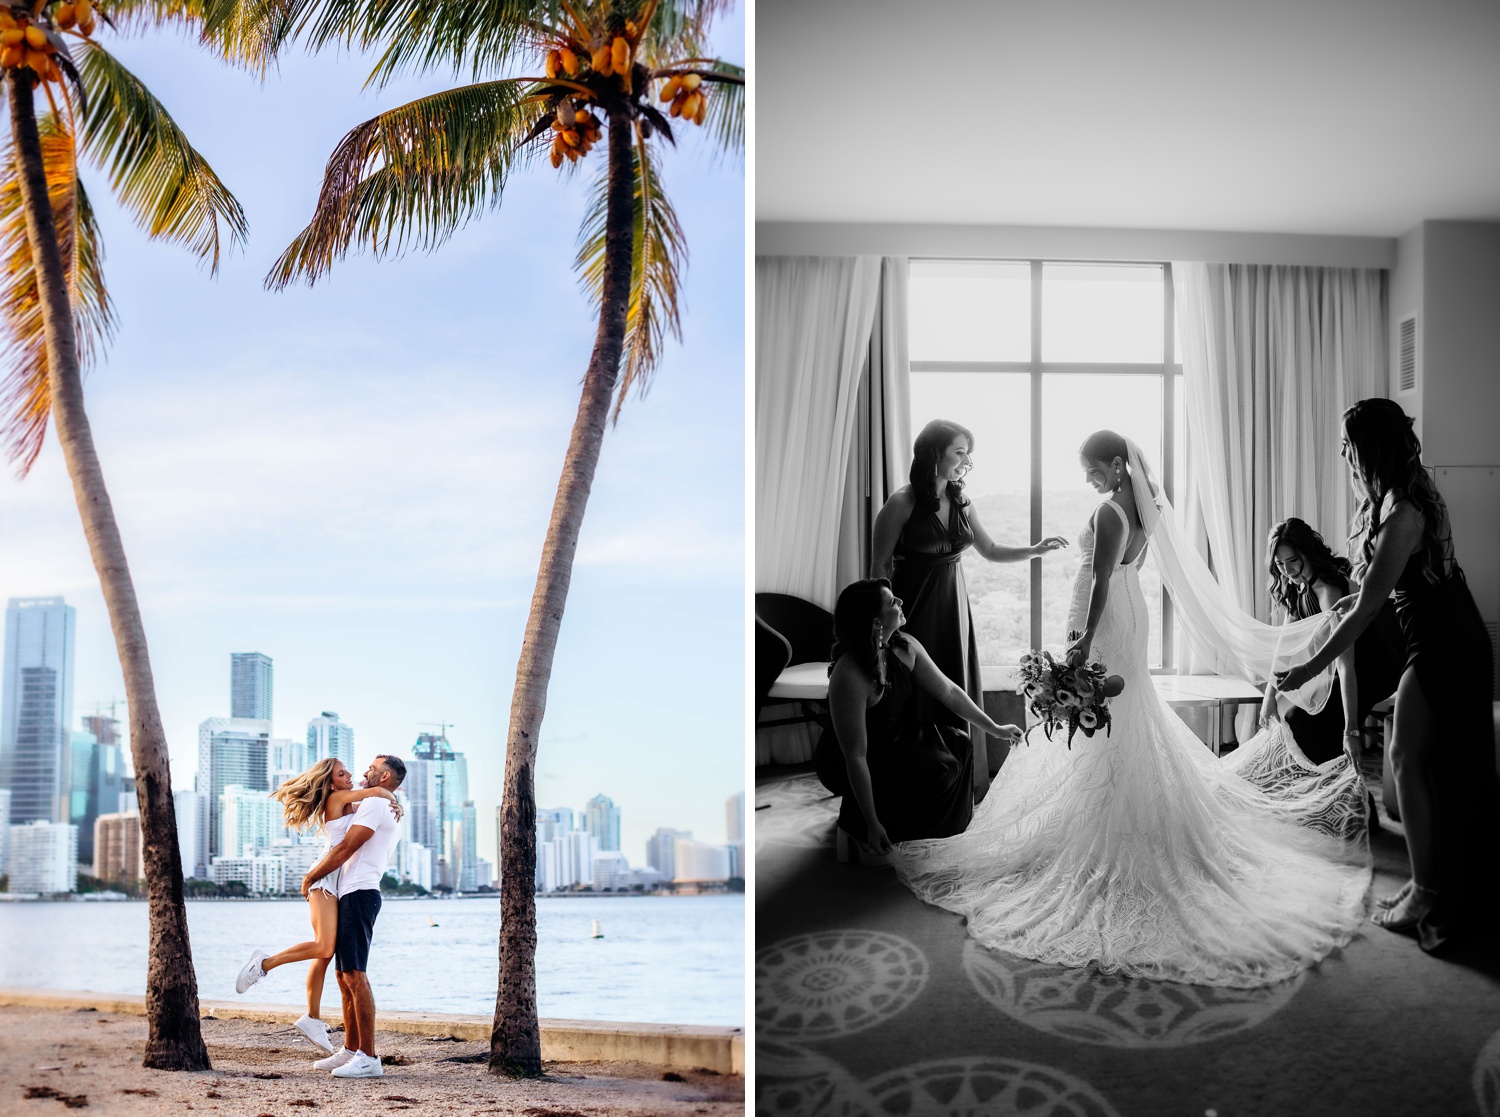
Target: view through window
[(1032, 357)]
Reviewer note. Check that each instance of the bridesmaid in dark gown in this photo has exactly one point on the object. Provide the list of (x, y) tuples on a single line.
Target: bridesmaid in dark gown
[(1307, 578), (920, 535), (1442, 751), (902, 775)]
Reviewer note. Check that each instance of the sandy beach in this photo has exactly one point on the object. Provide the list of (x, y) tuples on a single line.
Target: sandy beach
[(53, 1060)]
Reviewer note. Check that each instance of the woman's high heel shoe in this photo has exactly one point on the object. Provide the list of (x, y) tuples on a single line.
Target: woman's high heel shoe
[(1387, 902), (848, 848), (1426, 899)]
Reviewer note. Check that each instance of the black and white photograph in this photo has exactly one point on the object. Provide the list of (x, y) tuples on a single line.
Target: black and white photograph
[(1126, 559)]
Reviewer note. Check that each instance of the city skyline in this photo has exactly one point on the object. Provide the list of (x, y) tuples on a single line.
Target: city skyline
[(355, 480)]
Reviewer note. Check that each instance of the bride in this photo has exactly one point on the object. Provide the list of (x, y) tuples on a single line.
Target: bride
[(1140, 852)]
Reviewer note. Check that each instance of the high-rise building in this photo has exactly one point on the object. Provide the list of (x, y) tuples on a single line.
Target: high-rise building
[(98, 773), (4, 826), (36, 709), (327, 736), (118, 847), (468, 849), (248, 820), (43, 857), (437, 785), (250, 686), (285, 758), (230, 751), (192, 832), (734, 818), (551, 822), (661, 851), (700, 862), (601, 818)]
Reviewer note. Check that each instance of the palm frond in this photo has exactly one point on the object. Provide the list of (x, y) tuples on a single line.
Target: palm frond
[(25, 391), (156, 173), (726, 107), (658, 253), (412, 176)]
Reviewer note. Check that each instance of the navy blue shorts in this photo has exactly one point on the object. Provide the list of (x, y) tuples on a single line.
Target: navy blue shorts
[(357, 912)]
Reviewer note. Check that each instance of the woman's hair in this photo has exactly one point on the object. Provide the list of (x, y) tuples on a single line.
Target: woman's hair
[(926, 453), (1105, 446), (853, 632), (303, 797), (1322, 566), (1387, 457)]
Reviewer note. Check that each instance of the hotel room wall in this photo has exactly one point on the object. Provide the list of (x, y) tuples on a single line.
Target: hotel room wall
[(1448, 272)]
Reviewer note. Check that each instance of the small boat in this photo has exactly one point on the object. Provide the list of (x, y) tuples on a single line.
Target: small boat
[(597, 934), (431, 922)]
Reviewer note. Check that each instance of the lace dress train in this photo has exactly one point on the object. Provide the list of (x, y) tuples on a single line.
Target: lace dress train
[(1140, 852)]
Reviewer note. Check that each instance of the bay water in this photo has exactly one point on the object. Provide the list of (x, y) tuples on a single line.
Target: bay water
[(662, 959)]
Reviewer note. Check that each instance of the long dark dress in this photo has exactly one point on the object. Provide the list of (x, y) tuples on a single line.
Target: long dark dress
[(929, 580), (920, 770), (1377, 671), (1448, 647)]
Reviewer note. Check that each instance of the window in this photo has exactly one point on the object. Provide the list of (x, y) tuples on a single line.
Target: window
[(1032, 356)]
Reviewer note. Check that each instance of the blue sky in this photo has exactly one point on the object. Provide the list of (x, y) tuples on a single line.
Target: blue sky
[(355, 478)]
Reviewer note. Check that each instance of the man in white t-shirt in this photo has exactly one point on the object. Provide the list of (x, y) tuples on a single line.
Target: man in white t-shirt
[(362, 856)]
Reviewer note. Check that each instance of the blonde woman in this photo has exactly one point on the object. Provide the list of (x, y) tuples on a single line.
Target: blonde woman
[(324, 796)]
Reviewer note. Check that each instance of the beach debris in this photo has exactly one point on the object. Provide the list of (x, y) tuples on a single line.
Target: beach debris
[(672, 1076), (49, 1066), (397, 1060), (398, 1097), (72, 1101), (443, 1039), (141, 1090), (86, 1008), (213, 1094), (266, 1074), (306, 1102), (480, 1057)]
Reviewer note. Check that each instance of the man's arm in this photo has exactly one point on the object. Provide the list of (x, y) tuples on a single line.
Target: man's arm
[(335, 857)]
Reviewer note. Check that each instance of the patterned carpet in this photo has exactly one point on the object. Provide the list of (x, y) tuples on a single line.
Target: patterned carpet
[(870, 1002)]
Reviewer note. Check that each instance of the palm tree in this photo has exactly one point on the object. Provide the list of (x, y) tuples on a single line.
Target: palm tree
[(55, 314), (412, 176)]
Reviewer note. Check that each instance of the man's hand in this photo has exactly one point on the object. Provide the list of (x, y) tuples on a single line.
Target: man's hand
[(307, 883)]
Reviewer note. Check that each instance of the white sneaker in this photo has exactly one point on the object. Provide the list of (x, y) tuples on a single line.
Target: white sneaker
[(252, 971), (316, 1031), (336, 1060), (361, 1066)]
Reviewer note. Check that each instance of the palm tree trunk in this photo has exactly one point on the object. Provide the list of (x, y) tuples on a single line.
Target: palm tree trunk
[(516, 1041), (175, 1041)]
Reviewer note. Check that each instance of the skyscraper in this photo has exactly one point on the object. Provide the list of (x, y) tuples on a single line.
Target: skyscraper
[(98, 770), (734, 818), (43, 857), (437, 784), (36, 709), (192, 832), (327, 736), (661, 851), (250, 686), (602, 819), (230, 751)]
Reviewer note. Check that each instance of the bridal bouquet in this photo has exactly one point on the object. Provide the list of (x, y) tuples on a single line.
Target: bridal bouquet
[(1058, 695)]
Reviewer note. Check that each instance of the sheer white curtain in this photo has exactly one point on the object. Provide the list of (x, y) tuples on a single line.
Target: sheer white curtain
[(813, 319), (881, 451), (1271, 357)]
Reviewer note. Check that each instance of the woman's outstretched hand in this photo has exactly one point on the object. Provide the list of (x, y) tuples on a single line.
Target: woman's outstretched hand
[(877, 839), (1292, 678), (1051, 543)]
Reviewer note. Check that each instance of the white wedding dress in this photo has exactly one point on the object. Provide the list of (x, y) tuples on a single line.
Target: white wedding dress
[(1141, 852)]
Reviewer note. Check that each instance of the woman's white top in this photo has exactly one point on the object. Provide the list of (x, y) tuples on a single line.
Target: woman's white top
[(334, 829)]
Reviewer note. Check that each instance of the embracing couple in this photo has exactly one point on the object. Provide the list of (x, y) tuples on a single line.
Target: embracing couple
[(343, 895)]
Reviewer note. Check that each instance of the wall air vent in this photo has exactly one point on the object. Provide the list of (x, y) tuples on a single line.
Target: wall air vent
[(1406, 355)]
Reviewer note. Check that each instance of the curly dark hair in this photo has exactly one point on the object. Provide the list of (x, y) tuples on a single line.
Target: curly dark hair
[(1323, 566), (1387, 457), (928, 450), (857, 606)]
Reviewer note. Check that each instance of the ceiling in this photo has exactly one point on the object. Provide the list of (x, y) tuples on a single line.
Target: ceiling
[(1349, 117)]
